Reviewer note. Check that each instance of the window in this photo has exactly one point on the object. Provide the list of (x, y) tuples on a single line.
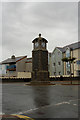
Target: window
[(54, 64), (78, 62), (68, 64), (53, 55), (68, 52), (54, 73), (59, 63), (59, 73), (78, 72), (68, 72), (58, 53)]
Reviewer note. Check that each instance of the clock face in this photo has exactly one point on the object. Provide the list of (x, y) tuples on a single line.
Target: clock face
[(43, 44), (36, 44)]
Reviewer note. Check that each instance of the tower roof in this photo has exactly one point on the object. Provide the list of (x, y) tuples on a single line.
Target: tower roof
[(39, 38)]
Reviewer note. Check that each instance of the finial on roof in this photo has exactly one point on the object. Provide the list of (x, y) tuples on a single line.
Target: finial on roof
[(40, 35), (13, 56)]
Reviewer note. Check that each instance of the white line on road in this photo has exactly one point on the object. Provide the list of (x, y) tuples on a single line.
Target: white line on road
[(64, 102)]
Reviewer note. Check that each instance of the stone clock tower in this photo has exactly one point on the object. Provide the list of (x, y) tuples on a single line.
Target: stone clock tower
[(40, 60)]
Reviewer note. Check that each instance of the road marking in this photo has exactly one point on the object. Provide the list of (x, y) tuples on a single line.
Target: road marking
[(22, 116), (75, 104), (28, 118), (27, 111), (64, 102), (16, 116)]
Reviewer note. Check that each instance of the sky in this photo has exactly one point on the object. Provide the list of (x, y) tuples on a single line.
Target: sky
[(23, 21)]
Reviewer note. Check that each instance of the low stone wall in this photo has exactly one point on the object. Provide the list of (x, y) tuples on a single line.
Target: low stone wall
[(24, 75)]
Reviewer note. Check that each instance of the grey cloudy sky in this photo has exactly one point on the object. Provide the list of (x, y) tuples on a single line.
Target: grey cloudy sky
[(23, 21)]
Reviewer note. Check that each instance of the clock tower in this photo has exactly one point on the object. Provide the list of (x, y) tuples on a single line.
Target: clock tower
[(40, 60)]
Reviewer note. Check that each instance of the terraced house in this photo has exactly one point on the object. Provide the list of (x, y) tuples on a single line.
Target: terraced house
[(71, 59), (66, 60), (56, 62)]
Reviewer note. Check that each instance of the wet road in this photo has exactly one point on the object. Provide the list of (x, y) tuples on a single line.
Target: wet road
[(58, 101)]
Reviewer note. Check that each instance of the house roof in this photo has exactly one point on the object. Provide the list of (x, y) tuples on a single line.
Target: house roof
[(72, 46), (29, 60), (60, 48), (11, 60)]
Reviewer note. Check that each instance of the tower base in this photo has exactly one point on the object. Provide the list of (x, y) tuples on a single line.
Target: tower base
[(39, 83), (38, 76)]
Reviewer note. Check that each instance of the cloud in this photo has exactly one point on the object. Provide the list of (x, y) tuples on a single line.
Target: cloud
[(23, 21)]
